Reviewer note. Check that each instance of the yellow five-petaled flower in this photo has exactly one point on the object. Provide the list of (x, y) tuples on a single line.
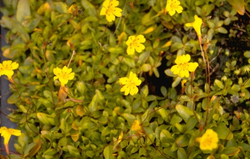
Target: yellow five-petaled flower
[(173, 6), (6, 134), (136, 126), (183, 66), (209, 140), (196, 25), (130, 84), (110, 10), (64, 75), (7, 67), (134, 43)]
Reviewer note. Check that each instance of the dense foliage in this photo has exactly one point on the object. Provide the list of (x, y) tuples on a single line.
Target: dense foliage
[(129, 78)]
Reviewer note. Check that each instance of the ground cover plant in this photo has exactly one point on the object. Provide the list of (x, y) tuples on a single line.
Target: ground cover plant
[(128, 78)]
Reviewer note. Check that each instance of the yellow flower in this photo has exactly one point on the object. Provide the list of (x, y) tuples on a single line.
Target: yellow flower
[(136, 126), (130, 84), (172, 7), (196, 25), (64, 75), (6, 134), (209, 140), (134, 43), (183, 67), (110, 10), (7, 67), (72, 9)]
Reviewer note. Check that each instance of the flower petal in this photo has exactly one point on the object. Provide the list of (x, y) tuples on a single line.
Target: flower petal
[(133, 90), (123, 80), (192, 66), (114, 3), (117, 12), (103, 11), (130, 50), (110, 17), (139, 48), (140, 38), (14, 65)]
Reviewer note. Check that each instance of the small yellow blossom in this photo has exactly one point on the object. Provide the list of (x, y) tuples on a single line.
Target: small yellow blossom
[(110, 9), (183, 66), (134, 43), (7, 67), (209, 140), (196, 25), (64, 75), (6, 134), (183, 83), (130, 84), (136, 126), (173, 6), (72, 9)]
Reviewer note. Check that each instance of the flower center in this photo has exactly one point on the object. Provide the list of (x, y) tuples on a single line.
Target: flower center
[(173, 5), (208, 140), (7, 67), (183, 65), (63, 75), (131, 84), (110, 9)]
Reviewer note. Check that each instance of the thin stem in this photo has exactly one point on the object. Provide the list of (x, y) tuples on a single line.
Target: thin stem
[(120, 18), (27, 119), (207, 79), (144, 147), (154, 145), (73, 53)]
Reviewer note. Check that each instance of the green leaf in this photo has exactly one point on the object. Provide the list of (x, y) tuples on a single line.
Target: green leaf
[(175, 119), (89, 7), (181, 153), (185, 112), (176, 46), (166, 136), (182, 141), (144, 90), (146, 19), (108, 153), (247, 54), (23, 10), (49, 153), (74, 134), (73, 151), (116, 50), (169, 73), (163, 91), (222, 30), (105, 131), (235, 87), (164, 114), (61, 7), (239, 5), (46, 119), (28, 148), (219, 83), (146, 67), (35, 148), (223, 132), (80, 110), (231, 151), (13, 98), (206, 9), (176, 81), (129, 117)]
